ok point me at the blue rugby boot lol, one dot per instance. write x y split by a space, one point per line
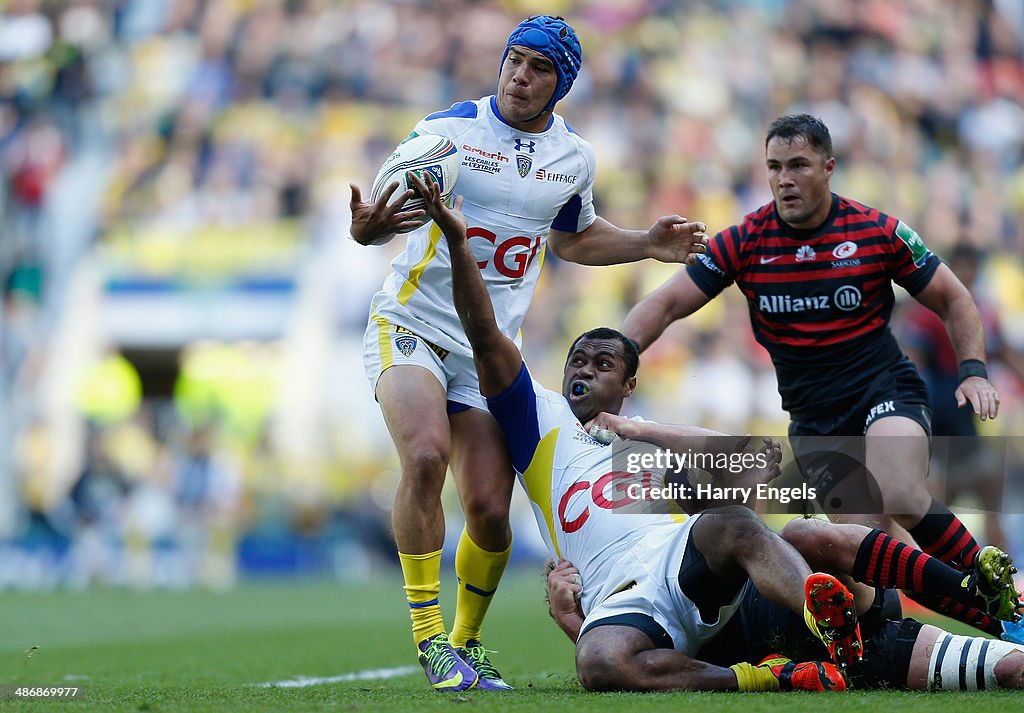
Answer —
1013 631
475 655
445 669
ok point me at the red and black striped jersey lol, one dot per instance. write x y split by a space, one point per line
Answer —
820 300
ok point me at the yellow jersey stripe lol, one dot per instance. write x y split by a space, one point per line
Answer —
538 481
413 283
384 330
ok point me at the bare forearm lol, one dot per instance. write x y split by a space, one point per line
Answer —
496 357
564 590
670 437
699 447
678 298
947 297
963 323
570 624
472 303
603 244
648 320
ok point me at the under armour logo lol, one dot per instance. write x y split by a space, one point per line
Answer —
525 145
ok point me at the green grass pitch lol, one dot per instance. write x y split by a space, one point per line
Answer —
201 651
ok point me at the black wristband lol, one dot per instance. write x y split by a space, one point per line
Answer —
972 367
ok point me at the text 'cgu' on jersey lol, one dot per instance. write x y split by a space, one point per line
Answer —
516 186
579 488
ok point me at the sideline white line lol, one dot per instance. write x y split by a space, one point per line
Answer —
372 674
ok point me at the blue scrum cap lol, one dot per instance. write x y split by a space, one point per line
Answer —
556 40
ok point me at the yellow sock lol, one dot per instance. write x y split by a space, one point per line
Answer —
422 586
754 678
479 572
812 624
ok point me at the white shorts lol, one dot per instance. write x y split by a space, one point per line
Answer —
387 344
648 588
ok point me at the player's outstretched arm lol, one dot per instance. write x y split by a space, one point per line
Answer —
669 436
377 223
743 467
671 239
497 358
947 297
679 297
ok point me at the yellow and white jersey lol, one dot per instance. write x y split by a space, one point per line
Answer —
580 498
516 186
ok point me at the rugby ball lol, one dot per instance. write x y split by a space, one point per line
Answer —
423 154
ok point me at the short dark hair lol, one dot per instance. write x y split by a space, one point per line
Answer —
793 126
630 348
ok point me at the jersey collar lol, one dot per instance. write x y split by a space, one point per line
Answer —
494 110
807 233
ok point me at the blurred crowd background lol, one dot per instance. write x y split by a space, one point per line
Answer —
182 398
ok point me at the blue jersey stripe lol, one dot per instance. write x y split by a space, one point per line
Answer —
458 110
515 410
423 605
568 218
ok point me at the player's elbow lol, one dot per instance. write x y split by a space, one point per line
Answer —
561 246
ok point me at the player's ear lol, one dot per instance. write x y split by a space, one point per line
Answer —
630 386
830 166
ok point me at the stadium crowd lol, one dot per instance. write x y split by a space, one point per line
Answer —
229 131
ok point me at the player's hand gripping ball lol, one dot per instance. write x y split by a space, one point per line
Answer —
429 157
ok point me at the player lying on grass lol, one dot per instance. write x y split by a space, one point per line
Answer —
705 561
573 485
898 652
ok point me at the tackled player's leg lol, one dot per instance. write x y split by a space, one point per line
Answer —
943 661
637 657
872 557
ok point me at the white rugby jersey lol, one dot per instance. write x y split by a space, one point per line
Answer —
578 494
516 186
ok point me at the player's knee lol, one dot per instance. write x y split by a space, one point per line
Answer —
599 669
487 510
425 464
739 526
808 536
906 497
1009 671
